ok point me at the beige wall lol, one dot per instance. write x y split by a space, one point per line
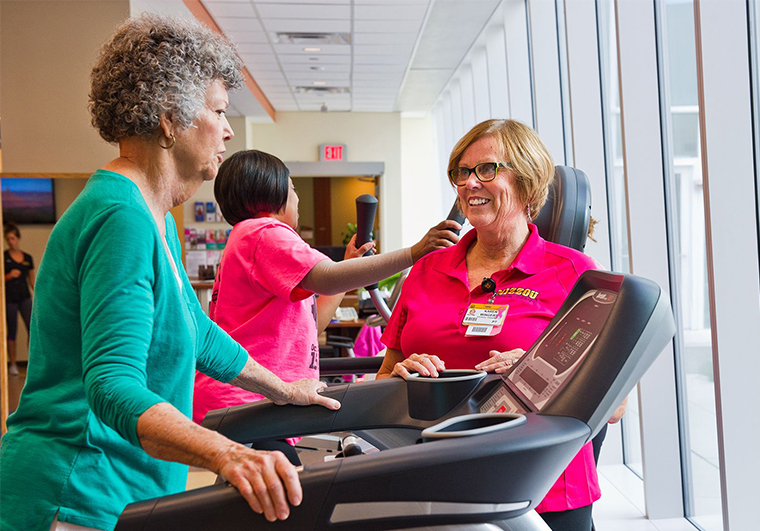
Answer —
426 196
369 137
48 49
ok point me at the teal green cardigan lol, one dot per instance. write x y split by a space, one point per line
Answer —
112 334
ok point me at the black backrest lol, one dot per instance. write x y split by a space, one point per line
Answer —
565 217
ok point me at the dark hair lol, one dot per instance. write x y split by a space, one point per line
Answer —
9 226
250 183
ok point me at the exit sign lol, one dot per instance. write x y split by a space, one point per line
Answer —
332 152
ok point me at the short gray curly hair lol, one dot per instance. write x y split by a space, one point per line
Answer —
154 65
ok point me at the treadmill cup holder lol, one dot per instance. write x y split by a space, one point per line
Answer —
474 424
432 398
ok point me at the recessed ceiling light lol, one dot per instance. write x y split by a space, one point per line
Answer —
319 83
321 90
312 49
310 38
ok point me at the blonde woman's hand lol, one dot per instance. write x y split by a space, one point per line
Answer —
500 362
424 364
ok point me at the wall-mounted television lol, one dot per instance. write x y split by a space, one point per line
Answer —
28 201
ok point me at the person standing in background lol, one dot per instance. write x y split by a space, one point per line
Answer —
19 278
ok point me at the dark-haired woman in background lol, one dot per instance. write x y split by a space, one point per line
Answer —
264 291
19 277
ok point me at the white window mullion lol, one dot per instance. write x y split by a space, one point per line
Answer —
643 166
586 110
732 253
547 86
518 61
497 72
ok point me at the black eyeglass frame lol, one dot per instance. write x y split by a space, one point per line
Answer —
475 171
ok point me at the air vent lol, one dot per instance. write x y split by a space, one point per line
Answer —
284 37
322 90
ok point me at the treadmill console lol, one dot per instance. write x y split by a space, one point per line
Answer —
545 368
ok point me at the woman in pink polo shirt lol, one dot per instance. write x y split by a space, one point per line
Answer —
263 295
502 172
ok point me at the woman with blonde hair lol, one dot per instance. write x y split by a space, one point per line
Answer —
501 171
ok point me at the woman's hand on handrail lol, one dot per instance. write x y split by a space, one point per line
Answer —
306 392
500 362
395 364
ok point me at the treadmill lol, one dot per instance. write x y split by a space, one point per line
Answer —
480 451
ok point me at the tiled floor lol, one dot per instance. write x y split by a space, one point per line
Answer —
620 508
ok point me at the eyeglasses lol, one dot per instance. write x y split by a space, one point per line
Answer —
485 172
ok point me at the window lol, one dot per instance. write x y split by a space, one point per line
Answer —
617 201
701 468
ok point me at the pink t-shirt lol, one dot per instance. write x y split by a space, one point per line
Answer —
428 319
258 301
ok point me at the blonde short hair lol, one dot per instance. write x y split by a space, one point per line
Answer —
532 165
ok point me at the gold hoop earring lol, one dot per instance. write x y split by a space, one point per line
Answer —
174 140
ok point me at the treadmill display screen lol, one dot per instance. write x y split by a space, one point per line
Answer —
546 367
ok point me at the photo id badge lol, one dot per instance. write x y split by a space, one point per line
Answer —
484 319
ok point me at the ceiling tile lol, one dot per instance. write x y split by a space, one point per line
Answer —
360 67
399 60
335 80
270 76
387 26
326 49
241 37
259 59
253 48
384 84
286 59
309 12
384 49
239 24
384 38
318 69
257 70
307 26
231 9
391 2
390 12
297 2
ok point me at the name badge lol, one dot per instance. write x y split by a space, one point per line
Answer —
484 319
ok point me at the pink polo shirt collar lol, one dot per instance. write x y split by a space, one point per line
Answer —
529 260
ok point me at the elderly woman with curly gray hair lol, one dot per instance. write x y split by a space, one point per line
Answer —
103 418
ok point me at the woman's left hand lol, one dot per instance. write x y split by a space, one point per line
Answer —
353 252
500 362
306 392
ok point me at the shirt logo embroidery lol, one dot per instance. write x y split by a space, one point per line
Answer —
518 291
